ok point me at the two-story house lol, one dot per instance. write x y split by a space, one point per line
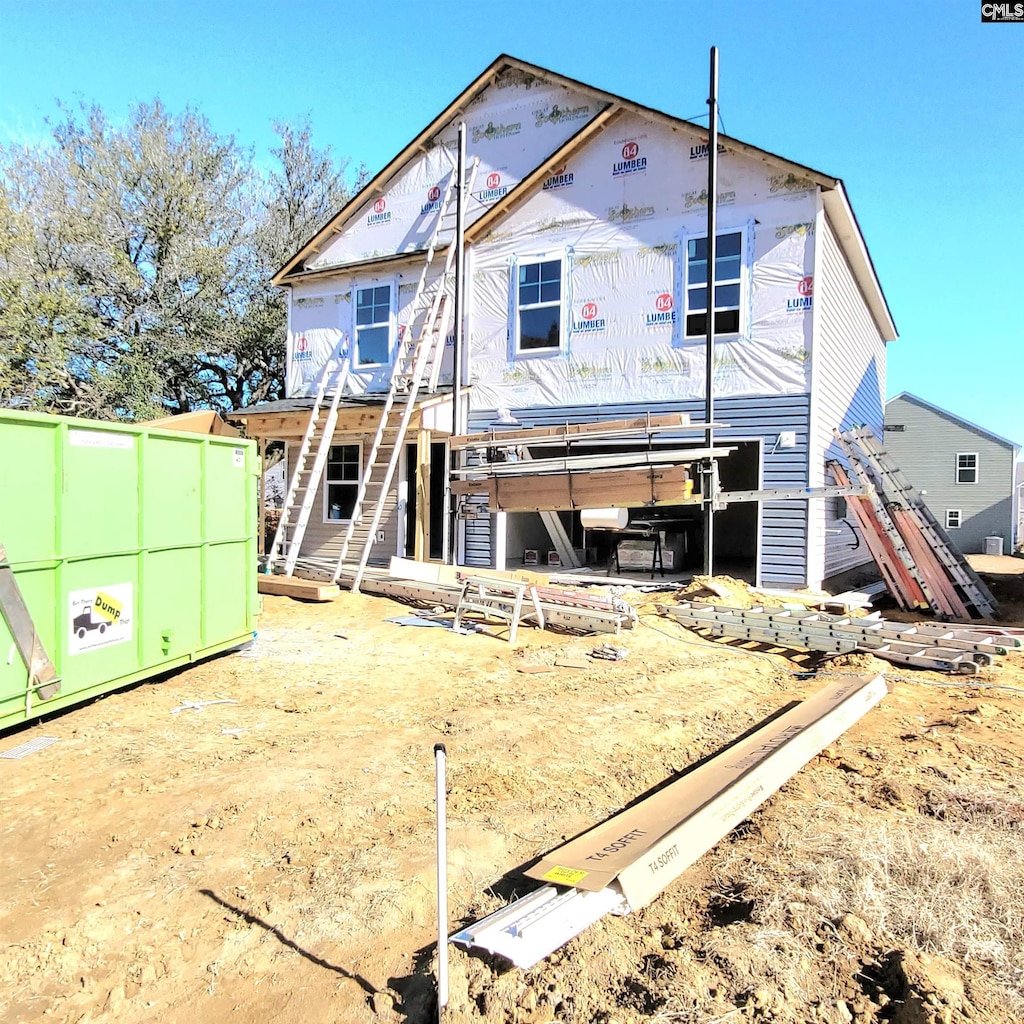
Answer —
585 300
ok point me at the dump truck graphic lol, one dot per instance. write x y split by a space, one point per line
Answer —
85 623
99 617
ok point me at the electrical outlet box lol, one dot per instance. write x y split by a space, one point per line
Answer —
381 535
787 439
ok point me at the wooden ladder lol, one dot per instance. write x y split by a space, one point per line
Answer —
417 358
955 581
306 477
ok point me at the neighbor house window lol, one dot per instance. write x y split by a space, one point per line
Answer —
953 520
728 281
539 306
341 481
967 467
373 325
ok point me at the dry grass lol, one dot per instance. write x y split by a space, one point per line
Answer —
947 881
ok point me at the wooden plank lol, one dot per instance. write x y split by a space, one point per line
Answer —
293 586
556 492
42 673
575 431
421 538
453 576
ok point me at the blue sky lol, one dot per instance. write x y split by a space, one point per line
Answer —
915 104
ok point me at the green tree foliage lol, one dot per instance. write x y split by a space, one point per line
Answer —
135 262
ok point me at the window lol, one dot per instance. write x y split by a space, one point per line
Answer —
728 279
373 325
539 307
967 467
341 481
953 520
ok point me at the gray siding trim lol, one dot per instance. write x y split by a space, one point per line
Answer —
783 541
849 386
926 450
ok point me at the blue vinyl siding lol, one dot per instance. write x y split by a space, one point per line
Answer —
783 540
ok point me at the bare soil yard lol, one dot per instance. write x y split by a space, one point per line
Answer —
271 860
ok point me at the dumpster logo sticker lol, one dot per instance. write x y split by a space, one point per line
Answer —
99 617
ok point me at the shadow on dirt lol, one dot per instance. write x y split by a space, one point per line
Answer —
250 918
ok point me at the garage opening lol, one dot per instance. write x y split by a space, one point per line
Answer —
678 529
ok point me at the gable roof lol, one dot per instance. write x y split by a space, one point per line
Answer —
946 414
835 200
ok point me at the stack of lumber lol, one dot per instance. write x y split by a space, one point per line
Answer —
943 648
919 563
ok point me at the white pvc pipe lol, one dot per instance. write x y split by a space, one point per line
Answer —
442 881
604 518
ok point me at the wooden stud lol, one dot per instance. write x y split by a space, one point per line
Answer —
421 550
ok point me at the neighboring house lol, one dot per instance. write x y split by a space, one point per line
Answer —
1019 539
967 474
586 256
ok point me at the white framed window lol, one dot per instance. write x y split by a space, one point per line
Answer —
954 519
966 467
341 481
373 325
538 304
729 261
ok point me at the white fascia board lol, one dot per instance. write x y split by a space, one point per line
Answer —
840 213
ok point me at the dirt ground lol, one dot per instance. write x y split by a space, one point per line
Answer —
272 858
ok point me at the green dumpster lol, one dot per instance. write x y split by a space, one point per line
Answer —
125 551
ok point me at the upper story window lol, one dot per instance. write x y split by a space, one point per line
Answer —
373 325
341 481
539 306
728 284
966 467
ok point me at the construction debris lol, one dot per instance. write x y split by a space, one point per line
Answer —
606 652
920 564
439 587
628 860
943 648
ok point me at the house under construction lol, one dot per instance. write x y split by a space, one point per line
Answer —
553 250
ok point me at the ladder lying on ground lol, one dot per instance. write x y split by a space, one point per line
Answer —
915 554
417 360
306 477
943 648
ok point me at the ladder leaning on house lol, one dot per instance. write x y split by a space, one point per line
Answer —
298 503
417 359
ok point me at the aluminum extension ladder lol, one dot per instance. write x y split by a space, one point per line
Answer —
420 350
306 477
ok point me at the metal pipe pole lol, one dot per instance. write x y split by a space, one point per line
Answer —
451 543
460 277
440 757
709 481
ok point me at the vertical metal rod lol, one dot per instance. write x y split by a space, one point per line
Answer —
460 277
440 756
708 482
458 413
